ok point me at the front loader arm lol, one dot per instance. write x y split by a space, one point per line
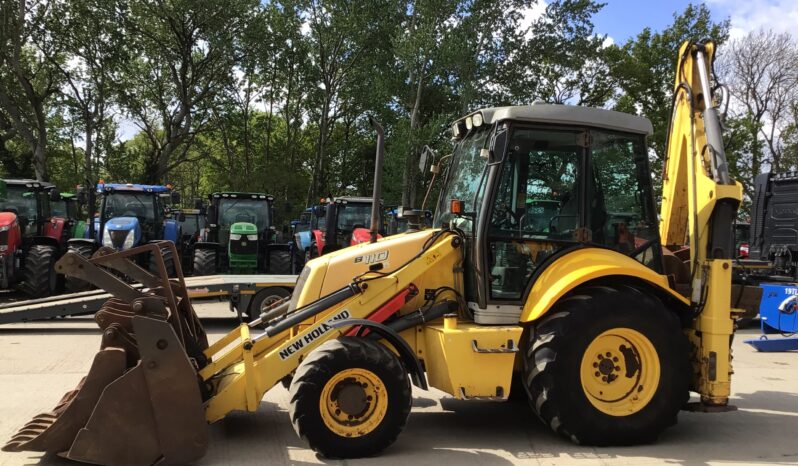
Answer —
699 203
245 367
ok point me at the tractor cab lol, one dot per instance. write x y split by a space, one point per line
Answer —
525 188
68 207
400 220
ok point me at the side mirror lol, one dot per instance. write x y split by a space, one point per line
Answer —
175 197
427 155
55 195
319 211
211 213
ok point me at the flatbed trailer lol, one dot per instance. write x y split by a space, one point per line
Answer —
239 289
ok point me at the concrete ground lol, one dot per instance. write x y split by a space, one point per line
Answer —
40 361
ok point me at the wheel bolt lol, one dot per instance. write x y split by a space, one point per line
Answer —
617 368
597 373
337 412
604 379
615 359
368 398
609 354
595 364
600 356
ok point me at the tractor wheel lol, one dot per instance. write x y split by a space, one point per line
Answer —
168 260
265 298
298 260
608 366
204 262
74 285
38 274
280 262
350 398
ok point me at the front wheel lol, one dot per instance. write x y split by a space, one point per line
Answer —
608 366
204 262
350 398
280 262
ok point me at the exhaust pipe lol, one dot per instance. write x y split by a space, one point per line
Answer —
377 195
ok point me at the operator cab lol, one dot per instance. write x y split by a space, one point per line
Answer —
527 184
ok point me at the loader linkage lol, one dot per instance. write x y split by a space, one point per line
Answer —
140 402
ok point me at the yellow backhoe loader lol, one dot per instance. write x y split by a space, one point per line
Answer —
547 272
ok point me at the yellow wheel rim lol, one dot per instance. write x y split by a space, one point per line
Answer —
353 402
620 372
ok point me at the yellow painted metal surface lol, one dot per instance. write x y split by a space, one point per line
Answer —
455 365
605 372
581 266
359 422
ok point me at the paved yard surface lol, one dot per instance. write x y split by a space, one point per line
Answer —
40 361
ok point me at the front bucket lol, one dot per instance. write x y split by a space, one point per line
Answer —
150 413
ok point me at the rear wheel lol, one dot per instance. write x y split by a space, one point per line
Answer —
608 366
350 398
204 262
73 284
280 262
39 277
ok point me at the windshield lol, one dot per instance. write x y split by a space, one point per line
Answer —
20 200
244 210
130 204
464 178
58 209
354 215
193 223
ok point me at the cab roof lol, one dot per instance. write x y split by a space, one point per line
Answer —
240 195
571 115
28 183
132 187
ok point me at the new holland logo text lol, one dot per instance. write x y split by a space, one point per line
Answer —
300 342
372 258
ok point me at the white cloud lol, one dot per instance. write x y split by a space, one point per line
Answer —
751 15
529 15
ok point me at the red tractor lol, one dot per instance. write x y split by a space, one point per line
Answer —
347 224
31 240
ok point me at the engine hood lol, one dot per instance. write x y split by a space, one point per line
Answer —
333 271
243 228
7 218
122 224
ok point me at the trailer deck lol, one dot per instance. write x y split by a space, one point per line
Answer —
241 287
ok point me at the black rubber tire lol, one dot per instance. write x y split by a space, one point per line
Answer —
72 284
280 262
204 262
555 351
265 296
298 260
168 260
38 273
319 367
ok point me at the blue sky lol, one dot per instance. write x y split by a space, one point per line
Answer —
622 19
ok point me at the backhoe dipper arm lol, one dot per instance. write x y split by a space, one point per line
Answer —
699 203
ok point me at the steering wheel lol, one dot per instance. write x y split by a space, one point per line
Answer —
507 218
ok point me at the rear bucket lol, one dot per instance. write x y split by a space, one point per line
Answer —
150 413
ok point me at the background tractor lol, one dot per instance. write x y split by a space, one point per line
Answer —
31 238
346 221
130 215
240 237
69 207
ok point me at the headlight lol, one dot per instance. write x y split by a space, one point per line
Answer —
235 237
252 237
107 239
129 239
5 228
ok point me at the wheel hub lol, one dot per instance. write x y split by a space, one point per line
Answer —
620 371
353 402
351 398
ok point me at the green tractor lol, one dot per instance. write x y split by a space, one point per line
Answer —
240 237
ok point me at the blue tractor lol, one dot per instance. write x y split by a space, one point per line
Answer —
130 215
